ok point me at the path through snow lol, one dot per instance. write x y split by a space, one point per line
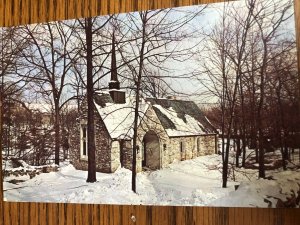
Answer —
190 182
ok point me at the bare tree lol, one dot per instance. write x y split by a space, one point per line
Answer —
153 40
281 94
10 87
222 64
48 65
90 60
267 23
237 56
154 86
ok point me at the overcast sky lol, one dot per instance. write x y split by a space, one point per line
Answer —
207 20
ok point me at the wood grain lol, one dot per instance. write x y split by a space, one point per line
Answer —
16 12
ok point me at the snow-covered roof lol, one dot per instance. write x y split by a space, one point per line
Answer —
178 117
118 118
43 108
47 108
181 118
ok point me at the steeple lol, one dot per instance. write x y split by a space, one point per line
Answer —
114 82
116 94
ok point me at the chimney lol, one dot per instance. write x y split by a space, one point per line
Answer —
116 94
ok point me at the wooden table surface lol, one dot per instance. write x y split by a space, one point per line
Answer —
15 12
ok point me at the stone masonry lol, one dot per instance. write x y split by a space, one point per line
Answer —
111 154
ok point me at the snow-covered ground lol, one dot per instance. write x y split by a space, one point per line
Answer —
191 182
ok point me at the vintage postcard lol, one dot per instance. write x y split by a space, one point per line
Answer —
193 106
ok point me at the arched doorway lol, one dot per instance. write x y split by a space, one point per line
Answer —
151 151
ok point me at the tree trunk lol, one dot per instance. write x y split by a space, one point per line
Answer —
238 151
137 100
136 115
261 156
90 104
225 164
283 144
57 132
243 127
260 148
244 152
